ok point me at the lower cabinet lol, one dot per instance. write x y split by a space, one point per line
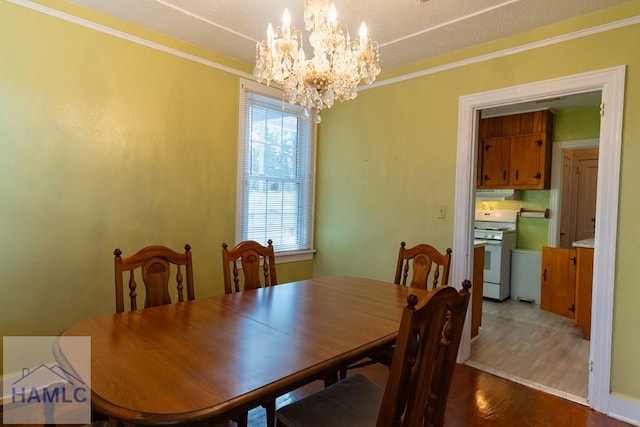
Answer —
566 284
558 286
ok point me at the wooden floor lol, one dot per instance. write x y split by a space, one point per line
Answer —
478 398
521 342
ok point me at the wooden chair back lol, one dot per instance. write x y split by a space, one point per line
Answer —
429 268
421 372
258 264
154 263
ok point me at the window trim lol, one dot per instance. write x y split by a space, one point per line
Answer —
281 256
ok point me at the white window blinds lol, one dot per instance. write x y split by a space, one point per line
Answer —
276 171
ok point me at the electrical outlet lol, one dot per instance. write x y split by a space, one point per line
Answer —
442 212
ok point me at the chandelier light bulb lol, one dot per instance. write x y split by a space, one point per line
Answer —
286 21
363 34
334 71
333 16
270 34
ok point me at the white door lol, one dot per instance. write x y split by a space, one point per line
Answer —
566 212
586 203
579 184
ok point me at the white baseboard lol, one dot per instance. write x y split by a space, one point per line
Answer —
624 410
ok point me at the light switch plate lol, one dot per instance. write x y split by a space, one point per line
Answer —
442 212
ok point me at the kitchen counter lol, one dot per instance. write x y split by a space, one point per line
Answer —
585 243
478 243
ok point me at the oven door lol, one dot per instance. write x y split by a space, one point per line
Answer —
492 261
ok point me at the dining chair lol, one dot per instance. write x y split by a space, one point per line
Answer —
429 269
154 263
258 264
419 380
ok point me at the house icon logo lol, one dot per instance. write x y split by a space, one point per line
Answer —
55 388
48 385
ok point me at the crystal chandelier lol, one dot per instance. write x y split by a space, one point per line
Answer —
337 67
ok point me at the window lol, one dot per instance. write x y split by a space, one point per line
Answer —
276 173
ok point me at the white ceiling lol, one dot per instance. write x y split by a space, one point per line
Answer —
406 30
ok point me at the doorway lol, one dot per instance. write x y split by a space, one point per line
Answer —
611 83
519 340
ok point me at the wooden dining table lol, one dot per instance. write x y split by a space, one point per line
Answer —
214 358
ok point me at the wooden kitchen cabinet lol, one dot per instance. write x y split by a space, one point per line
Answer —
515 151
558 285
476 290
496 153
529 166
567 277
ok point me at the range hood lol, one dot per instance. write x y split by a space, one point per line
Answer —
506 194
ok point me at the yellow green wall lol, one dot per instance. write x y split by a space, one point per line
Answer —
388 161
105 143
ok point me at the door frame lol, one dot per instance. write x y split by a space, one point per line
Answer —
611 82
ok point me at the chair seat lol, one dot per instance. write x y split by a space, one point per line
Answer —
354 401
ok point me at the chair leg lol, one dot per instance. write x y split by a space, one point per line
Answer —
343 372
330 377
242 420
271 413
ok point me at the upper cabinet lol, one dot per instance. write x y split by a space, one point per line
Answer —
515 151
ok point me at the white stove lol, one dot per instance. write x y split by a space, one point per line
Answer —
497 230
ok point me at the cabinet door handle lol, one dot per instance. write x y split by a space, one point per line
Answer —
486 178
544 274
504 175
517 174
